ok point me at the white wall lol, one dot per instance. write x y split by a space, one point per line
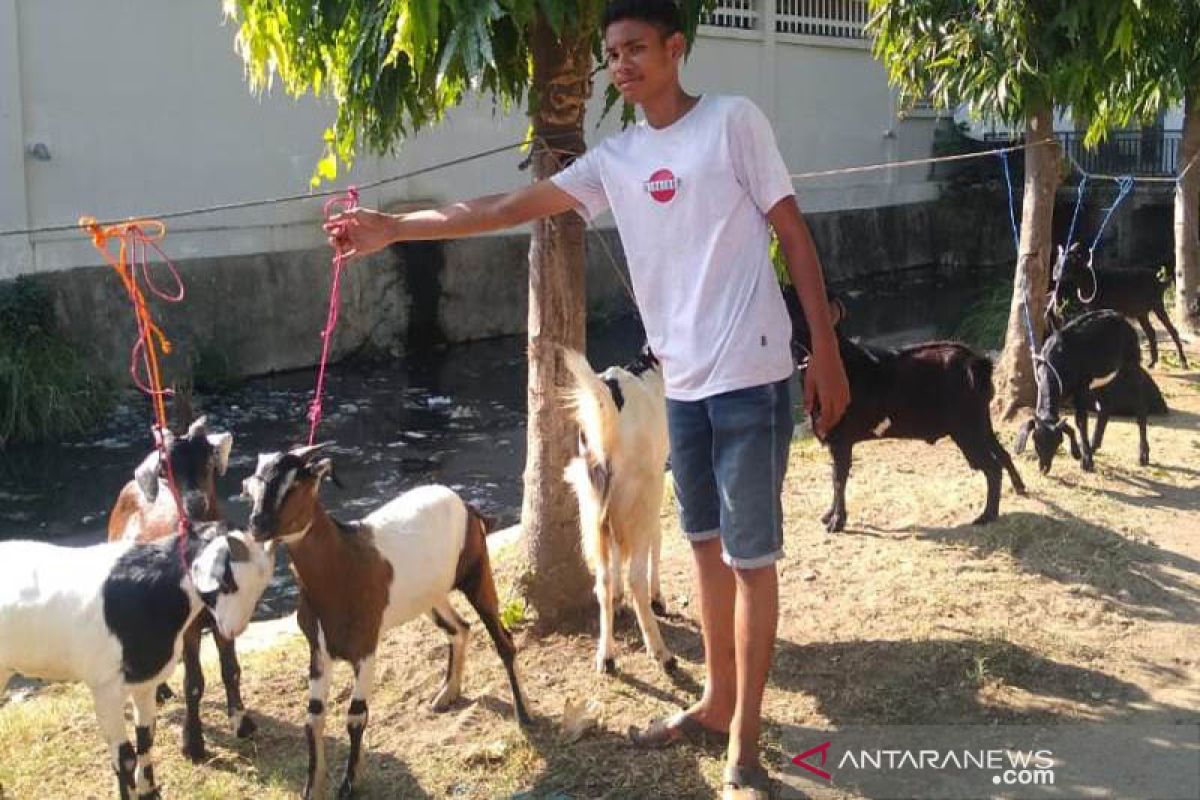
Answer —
144 110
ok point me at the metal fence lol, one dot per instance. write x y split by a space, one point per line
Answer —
1149 153
839 19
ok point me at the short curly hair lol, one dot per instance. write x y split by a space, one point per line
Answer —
663 14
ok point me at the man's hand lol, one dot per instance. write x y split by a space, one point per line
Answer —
826 391
359 232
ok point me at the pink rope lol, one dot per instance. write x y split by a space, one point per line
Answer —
334 205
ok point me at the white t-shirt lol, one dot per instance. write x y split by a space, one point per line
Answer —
690 202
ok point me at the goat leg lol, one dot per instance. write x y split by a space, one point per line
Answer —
356 723
1143 402
144 709
1098 434
231 676
320 665
1081 418
459 633
1144 321
1165 319
1006 461
479 586
110 713
835 518
193 691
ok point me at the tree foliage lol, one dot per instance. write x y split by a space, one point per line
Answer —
396 66
1002 59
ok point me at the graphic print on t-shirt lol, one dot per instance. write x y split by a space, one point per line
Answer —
662 185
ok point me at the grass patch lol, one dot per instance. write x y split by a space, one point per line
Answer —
46 390
986 321
1078 604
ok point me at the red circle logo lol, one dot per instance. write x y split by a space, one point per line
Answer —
662 185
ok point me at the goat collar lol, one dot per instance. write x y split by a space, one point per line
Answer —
292 538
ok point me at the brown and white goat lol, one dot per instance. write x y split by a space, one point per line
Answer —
618 479
361 579
145 512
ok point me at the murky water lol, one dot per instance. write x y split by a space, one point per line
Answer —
454 416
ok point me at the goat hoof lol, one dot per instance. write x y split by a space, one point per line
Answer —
985 518
346 790
835 525
671 665
163 693
1087 466
1144 461
606 666
194 752
246 728
658 607
827 517
443 701
153 794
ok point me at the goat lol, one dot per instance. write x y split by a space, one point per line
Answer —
1134 293
925 391
618 479
1090 351
145 511
359 580
113 616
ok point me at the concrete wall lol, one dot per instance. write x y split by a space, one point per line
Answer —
142 108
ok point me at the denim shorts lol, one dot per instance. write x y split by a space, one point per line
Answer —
728 458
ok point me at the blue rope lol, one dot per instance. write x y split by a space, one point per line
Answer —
1012 218
1124 187
1012 213
1075 217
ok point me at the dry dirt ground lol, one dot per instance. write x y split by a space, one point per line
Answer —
1081 603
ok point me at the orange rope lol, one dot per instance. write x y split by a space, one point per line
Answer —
135 239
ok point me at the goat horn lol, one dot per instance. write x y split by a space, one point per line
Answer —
198 427
307 451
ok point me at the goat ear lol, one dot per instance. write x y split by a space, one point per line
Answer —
222 443
198 427
307 452
1023 435
146 476
322 469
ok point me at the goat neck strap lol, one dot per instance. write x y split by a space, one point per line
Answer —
292 538
333 206
137 239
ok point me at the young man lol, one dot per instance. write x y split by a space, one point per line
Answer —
695 189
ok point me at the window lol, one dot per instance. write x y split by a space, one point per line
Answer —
737 14
842 19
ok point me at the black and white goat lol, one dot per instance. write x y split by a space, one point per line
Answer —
1088 353
113 616
1134 293
145 511
357 581
618 478
925 391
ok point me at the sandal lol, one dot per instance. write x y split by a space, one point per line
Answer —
682 727
746 782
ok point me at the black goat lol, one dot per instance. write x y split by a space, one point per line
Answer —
1089 352
925 391
1133 293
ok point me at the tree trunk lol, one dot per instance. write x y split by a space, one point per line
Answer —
556 582
1187 221
1015 386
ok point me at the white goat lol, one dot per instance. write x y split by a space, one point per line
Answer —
618 478
359 580
112 616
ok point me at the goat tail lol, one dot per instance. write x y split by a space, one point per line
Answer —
590 472
979 375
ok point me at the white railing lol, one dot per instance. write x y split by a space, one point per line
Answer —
737 14
841 19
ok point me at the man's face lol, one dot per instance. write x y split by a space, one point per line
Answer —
641 61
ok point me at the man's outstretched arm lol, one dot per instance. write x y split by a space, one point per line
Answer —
361 231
